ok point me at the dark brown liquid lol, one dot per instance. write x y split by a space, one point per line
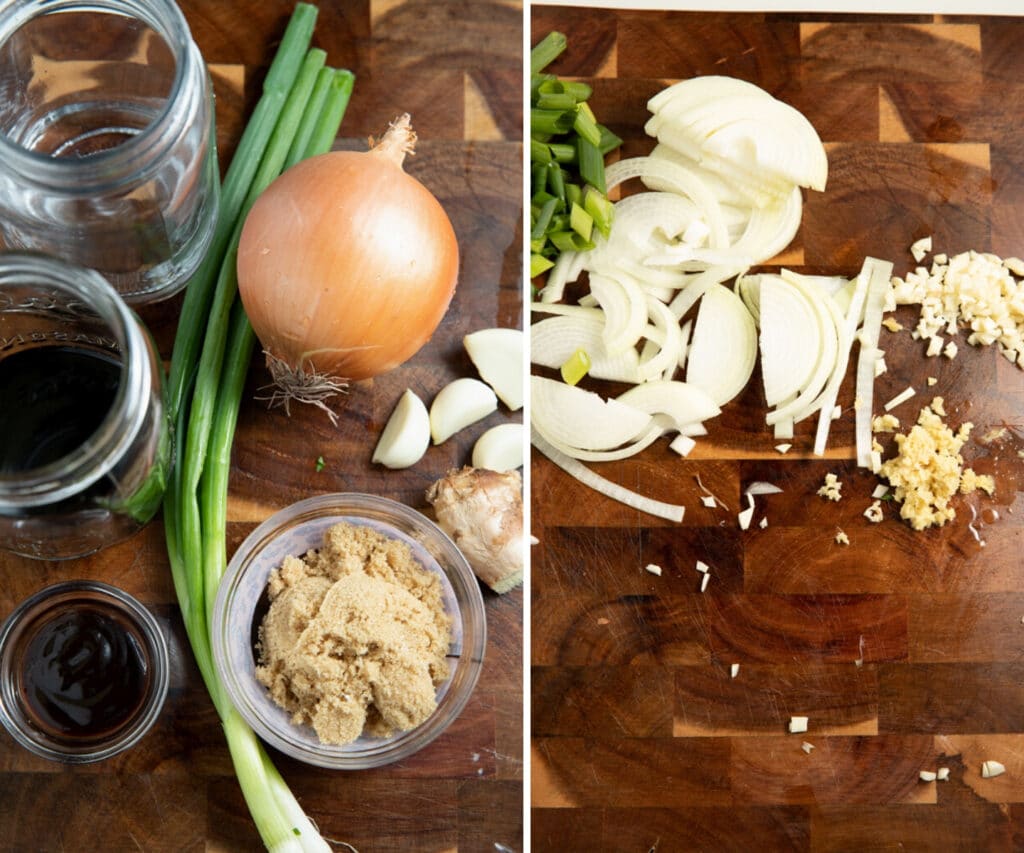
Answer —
84 674
52 400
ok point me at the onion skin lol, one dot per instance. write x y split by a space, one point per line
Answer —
347 264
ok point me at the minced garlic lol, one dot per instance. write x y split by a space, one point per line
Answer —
885 423
928 470
892 324
874 512
831 488
841 537
975 291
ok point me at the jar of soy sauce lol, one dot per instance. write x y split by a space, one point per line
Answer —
85 443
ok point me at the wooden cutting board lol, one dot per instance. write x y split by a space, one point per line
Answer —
641 739
455 66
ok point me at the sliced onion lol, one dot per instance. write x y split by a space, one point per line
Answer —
724 346
555 339
790 340
667 355
679 179
625 310
878 288
573 416
576 469
849 328
683 402
652 434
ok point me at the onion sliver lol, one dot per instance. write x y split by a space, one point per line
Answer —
849 328
625 310
683 402
555 339
653 433
346 265
802 405
791 339
576 469
878 287
667 356
679 179
724 346
576 417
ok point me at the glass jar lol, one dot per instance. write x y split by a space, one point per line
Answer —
85 443
84 671
107 148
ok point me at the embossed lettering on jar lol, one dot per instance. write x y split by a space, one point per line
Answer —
107 140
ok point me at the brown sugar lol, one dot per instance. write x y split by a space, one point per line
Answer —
356 637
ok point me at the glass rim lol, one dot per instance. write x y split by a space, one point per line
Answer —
151 633
82 175
83 466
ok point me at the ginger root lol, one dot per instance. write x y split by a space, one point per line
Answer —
482 511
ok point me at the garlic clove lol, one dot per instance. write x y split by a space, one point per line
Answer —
498 357
459 404
500 448
406 435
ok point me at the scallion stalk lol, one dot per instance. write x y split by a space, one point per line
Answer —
305 102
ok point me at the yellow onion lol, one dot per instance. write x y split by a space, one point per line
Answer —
346 266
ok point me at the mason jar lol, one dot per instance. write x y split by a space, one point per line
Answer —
85 442
107 147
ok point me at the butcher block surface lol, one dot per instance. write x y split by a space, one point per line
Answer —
456 67
902 648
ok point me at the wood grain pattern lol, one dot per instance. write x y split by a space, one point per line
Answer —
902 648
455 65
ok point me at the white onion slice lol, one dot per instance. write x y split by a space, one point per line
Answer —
579 418
878 287
679 179
682 402
554 340
724 346
651 435
849 327
790 339
625 310
576 469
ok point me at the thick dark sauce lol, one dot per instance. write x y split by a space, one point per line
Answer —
84 674
52 399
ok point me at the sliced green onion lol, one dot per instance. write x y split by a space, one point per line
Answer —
591 163
539 264
546 51
552 121
586 125
581 221
569 241
540 226
600 209
575 367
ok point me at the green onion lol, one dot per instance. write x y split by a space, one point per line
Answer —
576 367
567 151
539 264
213 349
547 51
580 221
320 464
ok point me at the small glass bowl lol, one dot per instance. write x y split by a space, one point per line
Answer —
294 531
42 610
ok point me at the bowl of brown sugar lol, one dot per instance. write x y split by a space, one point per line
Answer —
349 631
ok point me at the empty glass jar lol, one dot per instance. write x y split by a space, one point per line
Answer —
85 443
107 151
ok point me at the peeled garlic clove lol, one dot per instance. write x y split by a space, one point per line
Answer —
500 448
498 356
459 404
406 436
